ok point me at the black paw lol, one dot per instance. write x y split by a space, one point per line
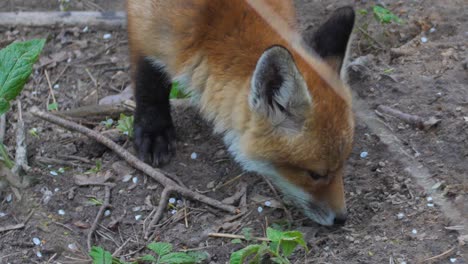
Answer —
155 146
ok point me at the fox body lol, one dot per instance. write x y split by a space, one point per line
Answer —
279 118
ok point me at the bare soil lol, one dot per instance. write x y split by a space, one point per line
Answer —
426 78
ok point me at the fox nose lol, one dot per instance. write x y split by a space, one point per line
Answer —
340 219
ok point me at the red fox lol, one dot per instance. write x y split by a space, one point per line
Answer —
278 117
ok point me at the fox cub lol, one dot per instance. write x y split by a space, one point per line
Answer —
278 117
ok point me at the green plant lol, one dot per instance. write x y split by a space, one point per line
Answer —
163 255
280 246
16 64
176 91
385 16
125 125
96 168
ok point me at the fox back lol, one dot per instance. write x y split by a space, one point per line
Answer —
278 116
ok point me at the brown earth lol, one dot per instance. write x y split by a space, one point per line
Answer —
422 78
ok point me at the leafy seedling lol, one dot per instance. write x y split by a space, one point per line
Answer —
385 16
125 125
279 249
165 255
96 168
101 256
108 123
52 107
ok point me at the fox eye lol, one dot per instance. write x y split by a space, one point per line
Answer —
315 175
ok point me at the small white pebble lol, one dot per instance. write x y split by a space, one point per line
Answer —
2 214
429 199
61 170
403 262
400 215
56 189
430 205
69 60
432 30
39 254
135 180
127 178
414 231
453 260
85 29
268 203
423 39
136 209
107 212
9 198
53 173
260 209
364 154
194 156
439 94
172 200
72 247
137 217
107 36
57 86
173 212
61 212
36 241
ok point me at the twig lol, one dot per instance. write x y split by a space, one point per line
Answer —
118 250
278 197
99 112
17 226
21 157
159 213
91 77
50 88
371 38
60 74
420 122
99 215
154 173
441 255
232 236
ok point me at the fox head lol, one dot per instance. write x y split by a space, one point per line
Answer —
303 130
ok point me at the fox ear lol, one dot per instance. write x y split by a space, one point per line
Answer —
331 39
278 90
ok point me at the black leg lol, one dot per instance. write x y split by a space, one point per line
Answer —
154 130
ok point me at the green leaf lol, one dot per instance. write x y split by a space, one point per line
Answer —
125 125
52 107
4 155
177 258
100 256
198 256
236 241
239 256
16 64
290 240
385 16
160 248
247 232
176 92
274 235
362 12
148 258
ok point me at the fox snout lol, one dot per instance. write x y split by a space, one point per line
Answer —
326 216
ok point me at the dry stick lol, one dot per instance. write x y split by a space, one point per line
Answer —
441 255
17 226
99 215
154 173
159 213
415 120
50 88
2 127
232 236
371 38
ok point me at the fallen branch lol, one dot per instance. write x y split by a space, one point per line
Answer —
99 215
17 226
159 213
232 236
154 173
441 255
98 112
417 121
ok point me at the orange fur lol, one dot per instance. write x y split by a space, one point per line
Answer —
219 44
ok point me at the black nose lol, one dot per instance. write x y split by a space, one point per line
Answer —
340 220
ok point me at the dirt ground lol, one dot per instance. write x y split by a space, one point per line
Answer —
419 67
